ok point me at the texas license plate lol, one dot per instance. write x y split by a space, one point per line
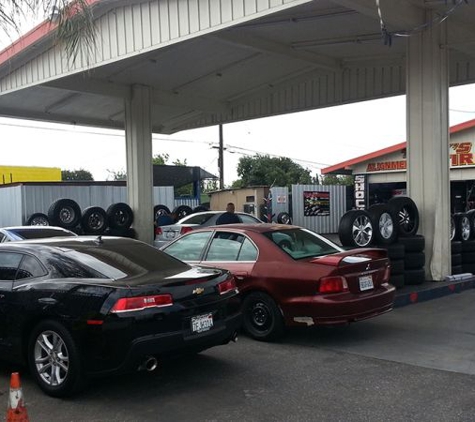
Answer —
366 283
201 323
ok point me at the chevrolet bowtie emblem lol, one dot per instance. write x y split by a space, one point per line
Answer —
198 291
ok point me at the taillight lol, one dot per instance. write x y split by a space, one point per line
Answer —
184 230
158 231
227 286
128 304
387 274
333 284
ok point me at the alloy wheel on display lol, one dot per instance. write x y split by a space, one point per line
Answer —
386 225
51 358
362 230
406 220
67 215
452 228
465 228
96 221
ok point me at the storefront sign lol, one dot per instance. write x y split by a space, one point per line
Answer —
360 191
461 155
316 204
281 199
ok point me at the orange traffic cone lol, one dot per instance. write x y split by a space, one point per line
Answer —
16 407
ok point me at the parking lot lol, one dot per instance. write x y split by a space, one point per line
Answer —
416 363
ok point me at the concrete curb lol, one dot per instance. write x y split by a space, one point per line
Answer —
409 295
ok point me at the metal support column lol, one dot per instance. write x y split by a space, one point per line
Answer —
428 143
138 139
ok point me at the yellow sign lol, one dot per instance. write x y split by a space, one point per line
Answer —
17 174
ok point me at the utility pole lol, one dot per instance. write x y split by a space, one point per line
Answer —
220 158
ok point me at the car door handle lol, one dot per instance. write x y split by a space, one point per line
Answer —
47 301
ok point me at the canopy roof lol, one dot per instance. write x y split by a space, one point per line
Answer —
214 62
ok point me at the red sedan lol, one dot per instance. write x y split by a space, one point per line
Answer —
290 276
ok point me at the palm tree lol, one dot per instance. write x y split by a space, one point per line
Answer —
72 18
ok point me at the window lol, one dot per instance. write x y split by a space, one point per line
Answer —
9 262
197 219
247 219
189 248
231 247
30 267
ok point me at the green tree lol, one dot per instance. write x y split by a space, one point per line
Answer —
266 170
79 174
160 159
74 21
117 175
336 179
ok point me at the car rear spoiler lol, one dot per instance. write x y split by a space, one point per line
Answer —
336 259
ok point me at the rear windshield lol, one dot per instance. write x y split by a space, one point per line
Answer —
302 243
40 233
196 219
118 261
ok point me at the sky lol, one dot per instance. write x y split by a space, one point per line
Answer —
313 139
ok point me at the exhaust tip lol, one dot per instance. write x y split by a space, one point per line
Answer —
149 364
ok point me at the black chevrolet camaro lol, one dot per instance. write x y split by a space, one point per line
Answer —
79 307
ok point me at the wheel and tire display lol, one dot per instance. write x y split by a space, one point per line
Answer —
159 210
182 211
284 218
471 218
94 220
384 224
407 215
54 359
452 228
37 219
262 318
355 229
64 213
120 216
413 244
462 227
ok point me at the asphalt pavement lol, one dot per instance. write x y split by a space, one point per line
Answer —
416 363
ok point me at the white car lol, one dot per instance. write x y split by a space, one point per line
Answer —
165 234
13 234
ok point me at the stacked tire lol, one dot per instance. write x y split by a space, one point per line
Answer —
456 255
382 225
66 213
468 256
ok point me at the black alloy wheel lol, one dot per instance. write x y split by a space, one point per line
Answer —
94 220
37 219
407 215
64 213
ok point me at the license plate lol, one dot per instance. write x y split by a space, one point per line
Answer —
201 323
366 283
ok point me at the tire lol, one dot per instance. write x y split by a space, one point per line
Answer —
69 376
471 219
452 228
262 318
159 210
414 260
467 258
457 269
414 277
182 211
413 244
94 220
397 280
355 229
462 227
120 216
37 219
395 251
407 215
397 266
468 268
200 208
284 218
456 259
384 224
468 246
64 213
455 247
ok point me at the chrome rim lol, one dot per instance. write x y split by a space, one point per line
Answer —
386 225
405 219
465 228
51 358
452 229
39 221
96 220
66 215
362 230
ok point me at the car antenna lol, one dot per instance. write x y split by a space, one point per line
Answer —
99 240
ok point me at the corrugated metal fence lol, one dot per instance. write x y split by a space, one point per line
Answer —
19 202
318 207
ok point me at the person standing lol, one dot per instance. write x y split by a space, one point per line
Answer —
229 217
